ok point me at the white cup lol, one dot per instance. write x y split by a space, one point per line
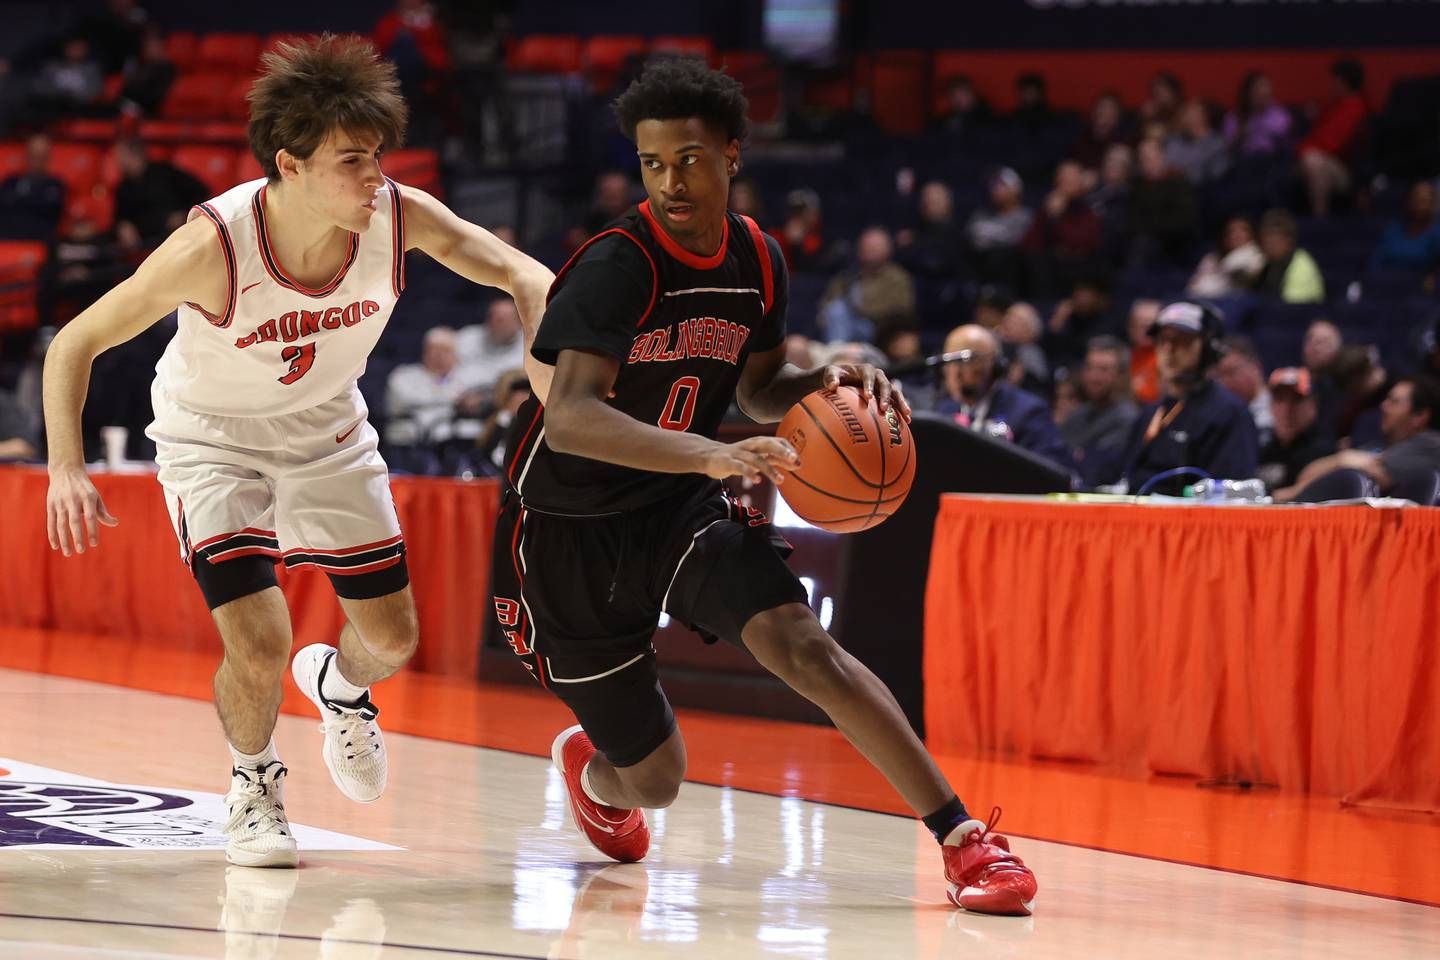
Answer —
114 439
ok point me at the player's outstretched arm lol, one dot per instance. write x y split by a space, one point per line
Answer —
188 266
479 256
769 386
578 421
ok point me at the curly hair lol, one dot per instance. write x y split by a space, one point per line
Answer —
311 87
682 87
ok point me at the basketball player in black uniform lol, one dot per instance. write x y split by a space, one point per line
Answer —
615 511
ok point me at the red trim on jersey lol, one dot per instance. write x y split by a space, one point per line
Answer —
272 263
680 253
228 250
347 551
397 234
762 250
524 442
247 532
654 274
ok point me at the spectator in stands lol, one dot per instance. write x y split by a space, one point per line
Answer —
1065 401
1167 98
1111 199
1195 149
148 78
1067 235
873 293
1290 273
614 195
505 233
1164 212
801 238
964 111
1411 243
745 200
153 197
935 248
1144 371
1319 350
1258 126
1241 372
994 233
1032 104
82 266
1087 313
412 37
17 436
487 350
1106 128
115 34
1327 154
32 202
1097 430
1411 450
422 399
976 398
1231 269
800 351
1195 423
900 342
1363 383
1026 364
511 390
70 85
1299 438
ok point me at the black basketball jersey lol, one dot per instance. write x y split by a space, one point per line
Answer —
682 327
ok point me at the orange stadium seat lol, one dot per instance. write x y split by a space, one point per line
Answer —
12 159
246 167
605 57
88 128
164 133
98 206
110 167
199 96
77 164
275 39
686 46
230 132
211 165
20 263
180 47
236 52
416 167
546 53
900 91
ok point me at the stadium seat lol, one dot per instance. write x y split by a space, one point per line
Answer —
12 158
606 56
211 165
236 106
900 91
235 52
1422 486
77 164
97 206
164 134
110 167
1342 484
415 167
199 96
20 264
691 46
180 48
246 167
545 53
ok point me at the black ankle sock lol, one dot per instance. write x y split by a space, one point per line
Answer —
942 821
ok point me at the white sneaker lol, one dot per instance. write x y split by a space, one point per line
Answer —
354 748
259 833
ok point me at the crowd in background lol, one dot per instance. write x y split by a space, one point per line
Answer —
1035 246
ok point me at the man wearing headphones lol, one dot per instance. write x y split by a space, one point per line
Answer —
976 395
1195 422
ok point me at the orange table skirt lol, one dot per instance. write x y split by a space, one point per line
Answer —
1283 646
135 585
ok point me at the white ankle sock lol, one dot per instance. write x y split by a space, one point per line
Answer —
336 688
589 788
253 761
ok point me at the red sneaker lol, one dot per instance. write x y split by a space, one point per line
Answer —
984 875
619 834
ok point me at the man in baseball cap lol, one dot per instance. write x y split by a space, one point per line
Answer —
1299 439
1196 422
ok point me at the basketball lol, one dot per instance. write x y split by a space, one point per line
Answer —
856 465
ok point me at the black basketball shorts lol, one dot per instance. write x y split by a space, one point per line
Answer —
579 599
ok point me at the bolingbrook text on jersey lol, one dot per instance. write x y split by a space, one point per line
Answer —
702 338
299 324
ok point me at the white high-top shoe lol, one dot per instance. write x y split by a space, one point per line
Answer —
259 833
354 748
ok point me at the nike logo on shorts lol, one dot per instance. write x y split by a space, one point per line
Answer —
340 437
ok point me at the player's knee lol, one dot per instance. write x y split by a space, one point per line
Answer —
257 659
396 640
792 643
656 793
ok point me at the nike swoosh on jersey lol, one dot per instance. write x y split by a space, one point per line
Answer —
340 437
251 287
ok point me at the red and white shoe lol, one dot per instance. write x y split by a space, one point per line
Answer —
985 877
619 834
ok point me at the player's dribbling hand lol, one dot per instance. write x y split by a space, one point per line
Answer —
872 383
752 459
74 512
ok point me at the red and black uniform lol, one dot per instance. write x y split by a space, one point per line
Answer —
588 554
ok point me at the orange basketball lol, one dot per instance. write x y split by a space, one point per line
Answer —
856 466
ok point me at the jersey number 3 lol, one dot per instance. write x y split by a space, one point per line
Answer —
680 408
301 359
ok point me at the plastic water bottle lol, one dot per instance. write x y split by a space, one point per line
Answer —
1219 491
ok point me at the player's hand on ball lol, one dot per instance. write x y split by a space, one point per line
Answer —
872 384
74 512
752 459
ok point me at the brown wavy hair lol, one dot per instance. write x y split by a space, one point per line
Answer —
310 87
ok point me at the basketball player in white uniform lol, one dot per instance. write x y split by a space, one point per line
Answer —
283 286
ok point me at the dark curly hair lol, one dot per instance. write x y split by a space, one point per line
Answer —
680 87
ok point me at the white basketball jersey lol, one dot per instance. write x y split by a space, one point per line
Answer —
280 347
